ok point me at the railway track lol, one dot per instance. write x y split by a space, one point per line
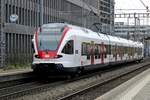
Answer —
36 86
81 93
16 79
24 89
41 85
17 85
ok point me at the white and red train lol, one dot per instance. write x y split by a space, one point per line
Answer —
68 48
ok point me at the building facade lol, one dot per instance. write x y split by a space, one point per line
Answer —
136 33
16 37
132 32
107 16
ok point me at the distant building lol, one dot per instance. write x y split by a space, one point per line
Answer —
107 16
136 33
15 38
131 31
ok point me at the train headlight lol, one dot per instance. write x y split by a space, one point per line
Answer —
47 56
37 56
58 56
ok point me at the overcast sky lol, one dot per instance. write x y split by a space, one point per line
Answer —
131 4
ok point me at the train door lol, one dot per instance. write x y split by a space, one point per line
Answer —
77 55
68 53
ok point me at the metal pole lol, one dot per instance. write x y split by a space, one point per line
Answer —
128 23
2 35
83 16
41 12
134 34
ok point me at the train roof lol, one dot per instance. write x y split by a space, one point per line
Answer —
93 34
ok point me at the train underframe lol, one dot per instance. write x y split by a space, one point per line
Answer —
51 68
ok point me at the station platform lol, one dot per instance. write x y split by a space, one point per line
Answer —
137 88
14 71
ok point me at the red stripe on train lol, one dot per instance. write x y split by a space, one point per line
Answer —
63 36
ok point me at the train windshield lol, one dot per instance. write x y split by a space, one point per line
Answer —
49 38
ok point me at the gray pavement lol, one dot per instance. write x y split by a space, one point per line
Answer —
144 93
14 71
137 88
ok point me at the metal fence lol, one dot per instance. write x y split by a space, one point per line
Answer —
2 35
17 36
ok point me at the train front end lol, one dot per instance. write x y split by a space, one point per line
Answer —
46 44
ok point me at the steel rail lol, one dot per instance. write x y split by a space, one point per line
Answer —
100 83
37 88
15 79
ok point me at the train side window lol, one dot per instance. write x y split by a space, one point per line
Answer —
105 51
68 48
109 49
99 49
84 49
88 50
96 52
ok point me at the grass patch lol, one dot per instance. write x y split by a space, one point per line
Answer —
17 66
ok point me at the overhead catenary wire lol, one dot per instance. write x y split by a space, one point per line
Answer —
147 8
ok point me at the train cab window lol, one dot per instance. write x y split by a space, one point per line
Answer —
68 48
